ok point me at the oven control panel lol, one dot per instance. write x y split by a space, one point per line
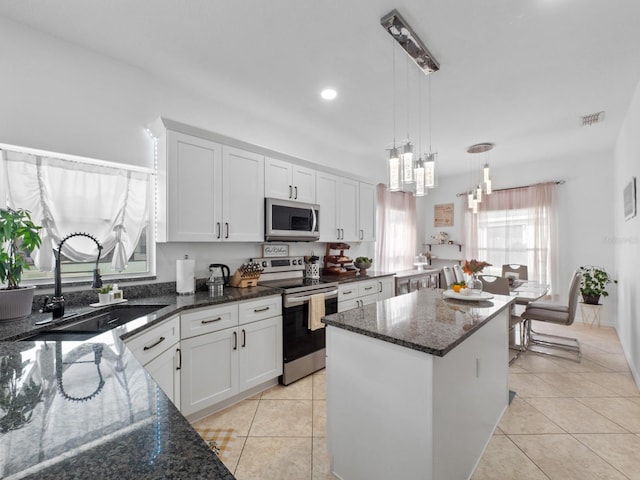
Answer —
280 264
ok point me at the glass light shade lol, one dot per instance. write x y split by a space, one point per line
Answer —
394 170
487 184
475 206
430 171
486 172
407 163
419 174
470 199
479 194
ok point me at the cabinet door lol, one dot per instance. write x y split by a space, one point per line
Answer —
194 180
348 210
304 184
367 212
277 179
242 196
165 371
327 197
386 288
260 345
209 370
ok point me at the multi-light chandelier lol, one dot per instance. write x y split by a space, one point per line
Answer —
406 174
480 174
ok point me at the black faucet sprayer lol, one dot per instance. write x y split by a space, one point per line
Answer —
56 305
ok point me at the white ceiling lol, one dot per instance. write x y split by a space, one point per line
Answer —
516 73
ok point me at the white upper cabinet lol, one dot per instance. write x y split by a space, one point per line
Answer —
367 212
242 196
287 181
208 192
347 213
327 197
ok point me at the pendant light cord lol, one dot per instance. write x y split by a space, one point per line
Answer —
393 93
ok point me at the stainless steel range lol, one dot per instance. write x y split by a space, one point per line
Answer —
303 349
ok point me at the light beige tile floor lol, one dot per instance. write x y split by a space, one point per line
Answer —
568 421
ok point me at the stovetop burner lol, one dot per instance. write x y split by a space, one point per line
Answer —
287 283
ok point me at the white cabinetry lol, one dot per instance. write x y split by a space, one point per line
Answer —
367 212
327 197
208 192
360 293
287 181
232 348
158 350
347 212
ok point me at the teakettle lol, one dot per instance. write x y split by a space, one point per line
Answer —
219 268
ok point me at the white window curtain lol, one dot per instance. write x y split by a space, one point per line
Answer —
67 196
517 226
395 230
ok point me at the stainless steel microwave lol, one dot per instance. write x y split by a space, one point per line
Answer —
290 221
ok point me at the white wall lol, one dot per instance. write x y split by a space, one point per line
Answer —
627 237
585 223
63 98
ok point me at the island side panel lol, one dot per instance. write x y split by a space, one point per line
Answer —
471 393
379 408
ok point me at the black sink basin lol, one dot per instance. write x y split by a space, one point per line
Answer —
87 326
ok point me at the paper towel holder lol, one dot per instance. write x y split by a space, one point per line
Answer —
187 287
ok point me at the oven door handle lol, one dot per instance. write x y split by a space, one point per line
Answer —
306 299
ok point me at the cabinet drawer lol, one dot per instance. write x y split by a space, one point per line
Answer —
207 320
348 291
253 310
157 339
368 287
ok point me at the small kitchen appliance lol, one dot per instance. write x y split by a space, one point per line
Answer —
289 221
303 349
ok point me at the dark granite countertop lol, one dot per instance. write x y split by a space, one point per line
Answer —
171 304
422 320
89 410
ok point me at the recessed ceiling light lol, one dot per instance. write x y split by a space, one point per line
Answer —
328 94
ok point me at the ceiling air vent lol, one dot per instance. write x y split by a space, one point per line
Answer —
592 118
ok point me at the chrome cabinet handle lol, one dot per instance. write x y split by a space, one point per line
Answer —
204 322
256 310
244 338
219 229
235 340
226 225
149 347
296 195
179 367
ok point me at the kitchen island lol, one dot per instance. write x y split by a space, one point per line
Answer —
416 385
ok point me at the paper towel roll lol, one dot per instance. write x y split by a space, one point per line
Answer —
185 276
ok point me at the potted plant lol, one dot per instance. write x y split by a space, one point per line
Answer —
104 293
18 237
594 283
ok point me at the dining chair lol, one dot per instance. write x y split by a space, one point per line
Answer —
559 314
521 270
449 277
500 286
457 273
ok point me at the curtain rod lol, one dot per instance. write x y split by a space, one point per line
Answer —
557 182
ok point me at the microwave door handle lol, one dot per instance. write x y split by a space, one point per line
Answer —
315 220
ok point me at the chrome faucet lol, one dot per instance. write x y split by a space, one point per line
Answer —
55 305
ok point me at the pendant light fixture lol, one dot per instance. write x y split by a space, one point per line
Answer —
394 157
418 172
404 171
481 184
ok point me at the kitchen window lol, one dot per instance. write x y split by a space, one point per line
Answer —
67 194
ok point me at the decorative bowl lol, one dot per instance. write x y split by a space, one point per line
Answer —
362 266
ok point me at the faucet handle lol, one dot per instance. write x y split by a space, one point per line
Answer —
45 302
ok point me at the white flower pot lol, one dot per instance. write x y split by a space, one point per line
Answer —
104 298
17 303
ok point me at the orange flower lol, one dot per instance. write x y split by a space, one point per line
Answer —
474 266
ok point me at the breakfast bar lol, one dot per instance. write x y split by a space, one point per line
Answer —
416 385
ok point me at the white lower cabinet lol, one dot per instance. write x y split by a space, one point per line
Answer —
227 360
360 293
158 350
210 369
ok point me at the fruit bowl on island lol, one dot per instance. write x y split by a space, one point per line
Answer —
362 264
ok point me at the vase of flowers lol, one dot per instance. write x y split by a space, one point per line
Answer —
473 268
